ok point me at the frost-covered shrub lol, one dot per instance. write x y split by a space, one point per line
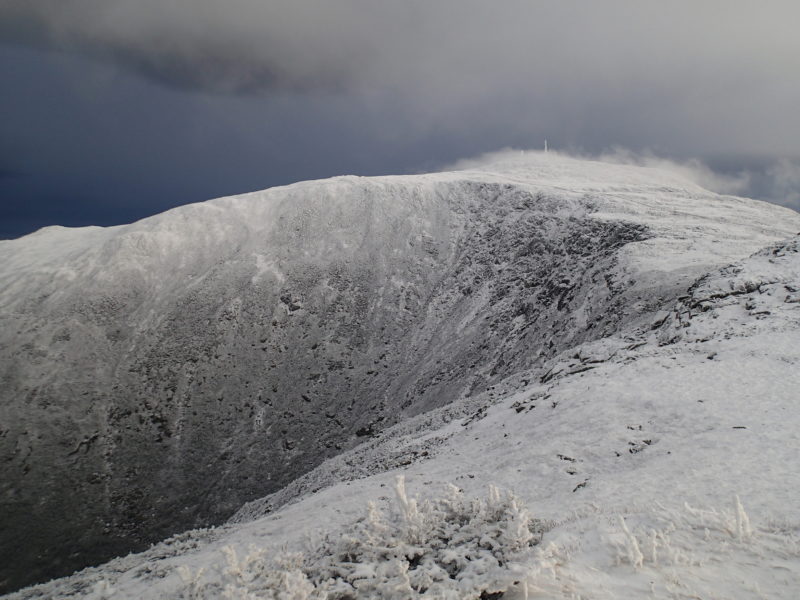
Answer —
448 547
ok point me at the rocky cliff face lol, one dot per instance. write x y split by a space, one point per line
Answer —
156 376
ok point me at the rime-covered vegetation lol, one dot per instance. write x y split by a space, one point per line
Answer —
448 547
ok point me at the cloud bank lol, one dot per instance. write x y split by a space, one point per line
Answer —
777 182
178 100
674 73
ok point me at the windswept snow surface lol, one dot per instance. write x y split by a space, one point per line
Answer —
659 464
555 327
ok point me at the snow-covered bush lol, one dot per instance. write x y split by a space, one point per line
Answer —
447 547
682 536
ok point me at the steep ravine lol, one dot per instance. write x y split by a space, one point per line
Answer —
156 376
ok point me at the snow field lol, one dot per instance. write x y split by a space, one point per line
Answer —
665 470
657 461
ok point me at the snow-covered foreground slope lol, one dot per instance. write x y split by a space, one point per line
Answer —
657 464
158 375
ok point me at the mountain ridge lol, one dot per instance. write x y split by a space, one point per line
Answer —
154 369
656 462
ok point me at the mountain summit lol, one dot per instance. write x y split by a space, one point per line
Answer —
157 376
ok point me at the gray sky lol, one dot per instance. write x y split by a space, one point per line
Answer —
116 109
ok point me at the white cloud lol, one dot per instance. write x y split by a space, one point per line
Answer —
784 179
693 170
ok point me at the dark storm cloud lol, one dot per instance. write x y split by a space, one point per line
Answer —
238 46
675 76
10 173
164 102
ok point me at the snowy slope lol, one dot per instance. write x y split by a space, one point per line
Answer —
666 470
518 299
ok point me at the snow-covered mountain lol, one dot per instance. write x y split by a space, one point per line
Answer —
567 329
